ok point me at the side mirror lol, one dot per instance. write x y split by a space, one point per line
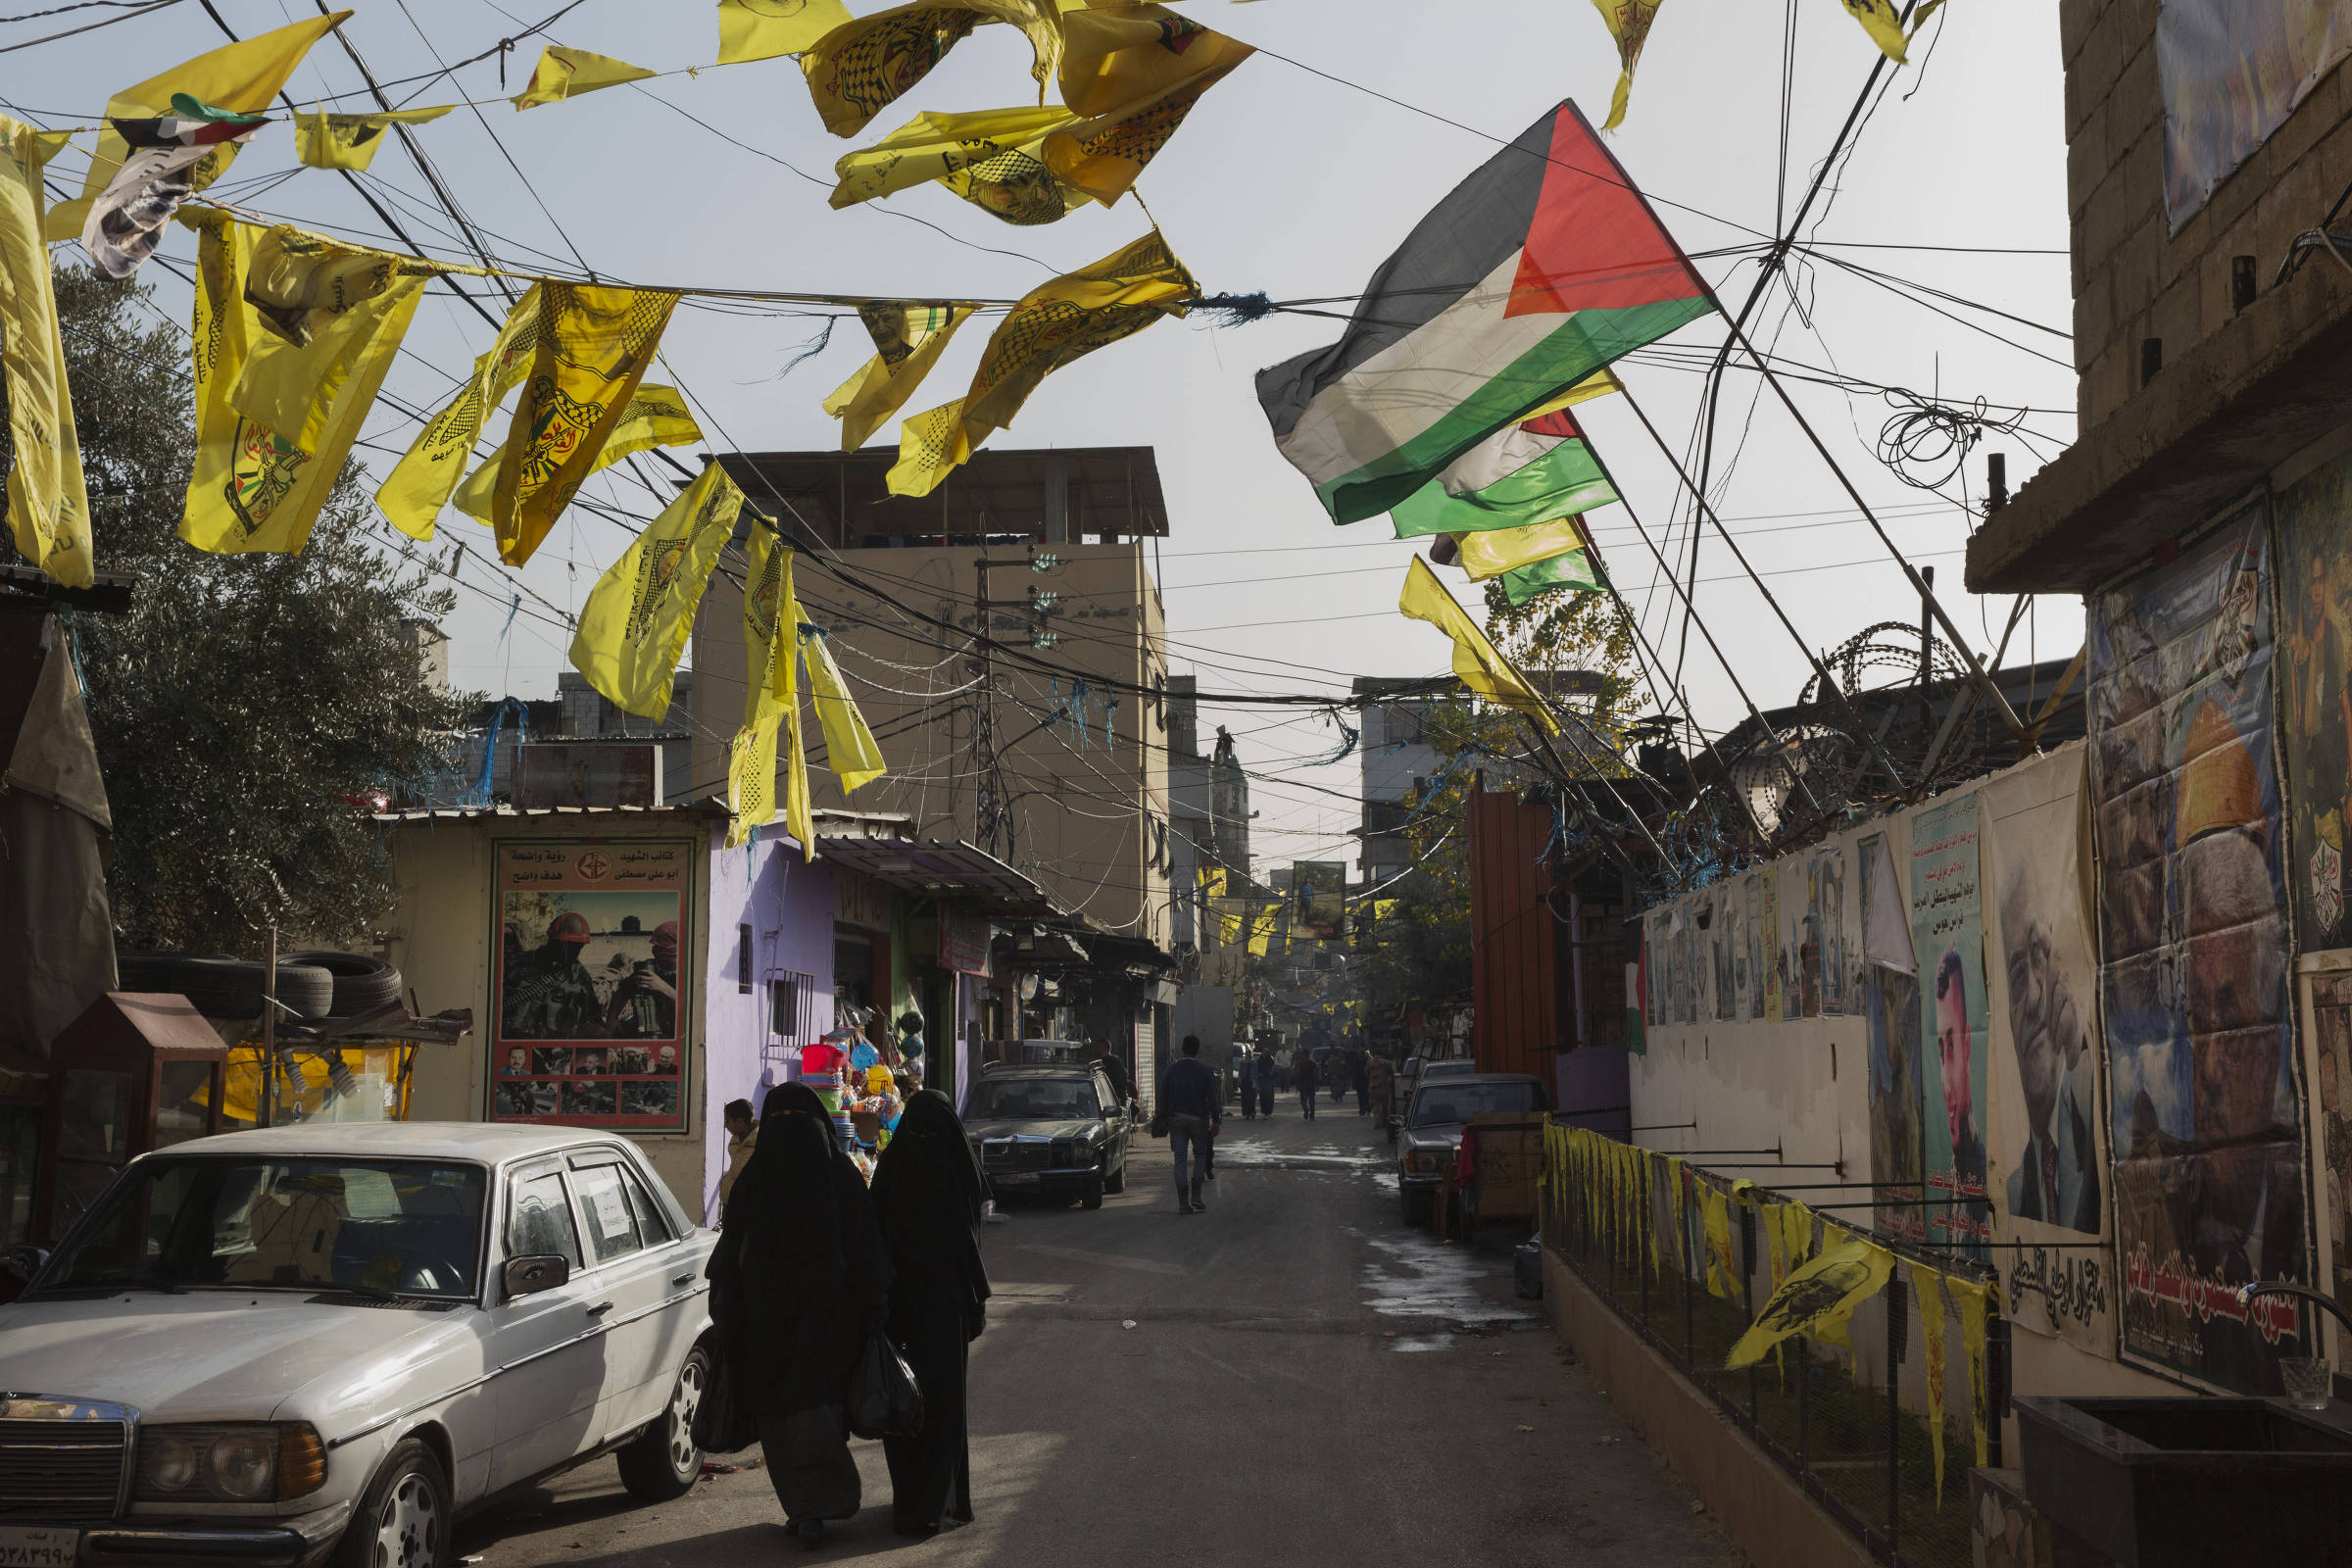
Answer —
25 1261
528 1276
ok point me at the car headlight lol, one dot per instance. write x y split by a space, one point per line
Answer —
256 1462
1423 1164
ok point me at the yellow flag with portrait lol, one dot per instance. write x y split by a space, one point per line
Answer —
772 616
48 500
935 146
562 73
634 627
1628 22
241 78
594 345
421 482
1132 73
761 29
324 140
319 308
1490 551
1816 1295
910 335
656 416
253 487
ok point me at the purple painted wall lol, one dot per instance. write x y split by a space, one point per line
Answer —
788 902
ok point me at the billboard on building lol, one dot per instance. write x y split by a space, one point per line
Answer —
2230 73
1320 888
589 987
1947 935
2203 1103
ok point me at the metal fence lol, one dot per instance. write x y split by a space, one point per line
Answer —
1848 1421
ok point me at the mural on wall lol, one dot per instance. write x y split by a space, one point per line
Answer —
1657 961
1686 965
2315 695
1890 1004
1829 924
2231 72
1808 956
1752 946
1947 934
591 995
2045 1068
1768 939
2331 1024
1722 944
2202 1099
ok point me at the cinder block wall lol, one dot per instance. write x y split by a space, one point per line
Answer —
2132 280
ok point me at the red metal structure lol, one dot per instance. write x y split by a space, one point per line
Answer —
1515 956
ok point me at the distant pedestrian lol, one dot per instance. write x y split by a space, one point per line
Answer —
927 1196
1303 1074
1379 1074
798 1279
1245 1070
1114 1069
743 1137
1265 1081
1187 1092
1361 1061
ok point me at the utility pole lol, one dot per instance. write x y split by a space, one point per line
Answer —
992 819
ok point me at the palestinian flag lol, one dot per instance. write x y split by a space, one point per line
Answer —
1570 570
1539 270
1529 473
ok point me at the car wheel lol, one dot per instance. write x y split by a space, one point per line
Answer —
1116 1181
664 1463
1091 1197
1417 1212
403 1519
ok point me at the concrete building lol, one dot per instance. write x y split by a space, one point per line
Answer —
1398 762
1048 747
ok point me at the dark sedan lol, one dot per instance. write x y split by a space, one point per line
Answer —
1057 1131
1434 1119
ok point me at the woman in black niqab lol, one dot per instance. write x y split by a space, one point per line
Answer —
798 1279
928 1190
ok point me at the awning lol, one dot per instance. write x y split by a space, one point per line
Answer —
942 870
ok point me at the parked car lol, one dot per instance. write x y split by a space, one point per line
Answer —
1441 1107
281 1347
1057 1131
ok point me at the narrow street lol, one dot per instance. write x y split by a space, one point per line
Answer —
1291 1378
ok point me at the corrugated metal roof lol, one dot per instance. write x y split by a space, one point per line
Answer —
435 813
925 867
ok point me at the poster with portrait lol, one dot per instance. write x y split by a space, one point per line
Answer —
1768 938
2049 1170
2231 72
1828 925
1796 930
590 991
2315 695
1752 946
1722 992
1947 934
1686 965
2331 1029
2203 1105
1657 949
1889 997
1320 888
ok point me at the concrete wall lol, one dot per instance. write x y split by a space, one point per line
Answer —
1090 810
2132 279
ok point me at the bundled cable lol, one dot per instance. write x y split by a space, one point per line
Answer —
1926 443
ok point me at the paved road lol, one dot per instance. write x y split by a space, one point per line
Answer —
1292 1377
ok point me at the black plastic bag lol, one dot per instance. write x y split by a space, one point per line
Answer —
722 1422
884 1402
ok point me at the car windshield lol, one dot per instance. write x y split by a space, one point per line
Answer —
1036 1099
1441 1102
368 1227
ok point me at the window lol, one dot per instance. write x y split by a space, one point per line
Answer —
605 1211
539 1220
1036 1099
743 960
652 1224
1443 1103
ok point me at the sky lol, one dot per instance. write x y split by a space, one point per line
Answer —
1296 175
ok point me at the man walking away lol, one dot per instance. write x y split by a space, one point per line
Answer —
1359 1061
1113 1069
1302 1073
1379 1072
1265 1081
1187 1092
1245 1072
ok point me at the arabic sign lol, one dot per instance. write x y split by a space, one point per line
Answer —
2203 1108
963 943
590 983
1947 932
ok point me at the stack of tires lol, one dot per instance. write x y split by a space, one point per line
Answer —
310 985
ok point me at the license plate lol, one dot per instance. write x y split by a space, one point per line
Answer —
21 1548
1020 1178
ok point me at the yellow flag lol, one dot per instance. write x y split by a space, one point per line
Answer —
1926 1291
1131 73
861 67
1475 660
48 504
1883 22
1974 1304
761 29
910 335
1492 552
850 748
421 482
241 78
351 141
253 488
635 624
1627 23
656 416
1599 384
1822 1293
568 73
317 306
594 345
1715 1216
989 158
1056 323
1261 930
772 615
931 445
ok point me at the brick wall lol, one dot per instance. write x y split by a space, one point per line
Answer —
2131 279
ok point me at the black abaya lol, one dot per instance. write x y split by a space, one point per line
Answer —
927 1196
798 1278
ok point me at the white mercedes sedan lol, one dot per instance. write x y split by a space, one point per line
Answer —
327 1342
